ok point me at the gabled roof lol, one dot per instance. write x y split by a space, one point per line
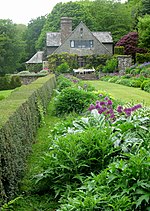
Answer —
53 39
37 58
104 37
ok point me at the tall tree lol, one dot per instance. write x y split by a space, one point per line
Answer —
32 33
11 47
144 32
111 16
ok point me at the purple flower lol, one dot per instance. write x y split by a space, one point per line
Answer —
106 98
109 102
98 105
100 95
119 109
91 107
112 116
128 111
134 108
102 103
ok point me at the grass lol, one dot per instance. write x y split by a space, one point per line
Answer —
5 93
123 93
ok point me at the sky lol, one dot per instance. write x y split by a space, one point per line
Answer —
22 11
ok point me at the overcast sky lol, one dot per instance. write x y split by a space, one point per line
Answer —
22 11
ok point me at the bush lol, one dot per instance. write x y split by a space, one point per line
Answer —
34 67
147 86
73 99
111 66
145 72
141 58
144 83
63 68
112 189
119 50
9 82
136 83
73 157
63 82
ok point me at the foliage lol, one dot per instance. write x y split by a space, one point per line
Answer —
12 47
124 185
73 99
62 68
119 50
63 82
111 66
32 34
19 119
111 16
9 82
34 67
141 58
144 31
73 157
55 60
130 43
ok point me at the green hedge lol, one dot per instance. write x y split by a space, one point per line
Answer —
20 116
119 50
141 58
9 82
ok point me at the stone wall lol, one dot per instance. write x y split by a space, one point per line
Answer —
124 61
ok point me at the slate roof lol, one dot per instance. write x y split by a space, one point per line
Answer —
53 39
104 37
37 58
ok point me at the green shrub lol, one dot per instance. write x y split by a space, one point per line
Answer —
125 82
34 67
111 66
73 157
147 86
63 82
119 50
112 189
145 72
136 83
9 82
63 68
73 99
144 83
141 58
113 79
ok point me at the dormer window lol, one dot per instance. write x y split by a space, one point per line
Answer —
81 43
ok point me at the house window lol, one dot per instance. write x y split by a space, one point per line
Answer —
72 43
81 43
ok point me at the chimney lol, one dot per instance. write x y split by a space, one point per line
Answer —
66 28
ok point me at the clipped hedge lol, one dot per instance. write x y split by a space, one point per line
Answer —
20 117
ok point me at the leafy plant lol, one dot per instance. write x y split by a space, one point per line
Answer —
73 99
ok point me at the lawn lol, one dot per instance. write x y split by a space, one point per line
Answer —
5 93
123 93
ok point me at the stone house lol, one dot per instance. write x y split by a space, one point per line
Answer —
80 41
